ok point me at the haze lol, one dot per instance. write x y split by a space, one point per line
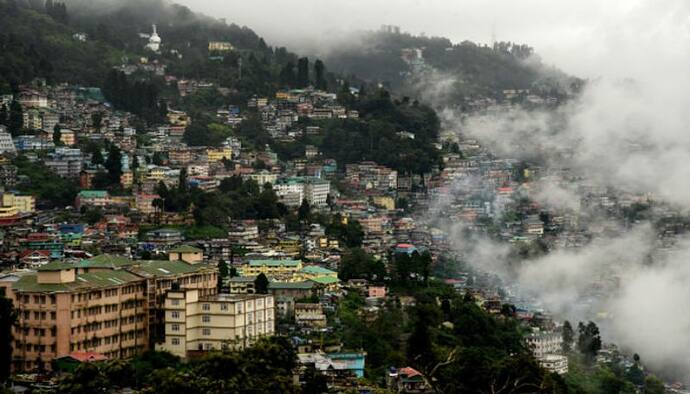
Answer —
588 38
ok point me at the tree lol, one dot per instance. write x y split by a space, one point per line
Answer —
589 340
114 164
319 71
222 274
653 385
303 72
304 212
568 337
261 284
57 135
15 120
314 382
8 317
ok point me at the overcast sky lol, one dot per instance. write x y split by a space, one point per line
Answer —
585 37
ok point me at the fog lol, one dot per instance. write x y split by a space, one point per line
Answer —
575 35
629 130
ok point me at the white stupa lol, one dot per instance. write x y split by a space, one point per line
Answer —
154 41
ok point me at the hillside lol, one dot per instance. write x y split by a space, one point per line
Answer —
408 64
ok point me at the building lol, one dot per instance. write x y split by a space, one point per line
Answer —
106 304
271 268
196 323
61 311
215 155
310 315
92 198
543 343
291 191
554 363
187 254
220 46
6 143
66 162
407 380
154 43
24 204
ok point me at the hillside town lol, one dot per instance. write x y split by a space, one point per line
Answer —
189 219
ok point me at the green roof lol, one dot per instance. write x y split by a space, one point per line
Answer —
82 281
165 267
186 249
93 193
106 261
306 285
316 270
274 263
325 280
56 266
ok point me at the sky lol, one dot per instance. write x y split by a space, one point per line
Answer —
575 35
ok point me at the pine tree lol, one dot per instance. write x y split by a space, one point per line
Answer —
319 78
303 72
57 135
568 336
15 120
261 284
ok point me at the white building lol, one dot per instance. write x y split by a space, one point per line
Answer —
6 143
554 363
543 343
154 41
292 191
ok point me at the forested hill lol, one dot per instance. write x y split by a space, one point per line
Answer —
42 39
392 58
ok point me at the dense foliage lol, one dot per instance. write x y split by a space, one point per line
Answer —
219 372
50 190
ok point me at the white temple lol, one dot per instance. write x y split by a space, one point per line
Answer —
154 41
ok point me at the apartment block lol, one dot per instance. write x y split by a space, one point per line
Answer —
197 323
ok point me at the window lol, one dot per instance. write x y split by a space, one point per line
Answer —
206 307
175 341
223 307
206 331
175 314
206 319
175 302
175 327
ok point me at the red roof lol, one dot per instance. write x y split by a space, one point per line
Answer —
27 252
87 357
409 372
405 246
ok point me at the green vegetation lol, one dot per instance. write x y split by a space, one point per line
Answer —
48 188
162 373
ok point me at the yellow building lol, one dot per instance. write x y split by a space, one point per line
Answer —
196 323
67 137
187 254
126 179
220 46
23 204
271 268
386 202
216 155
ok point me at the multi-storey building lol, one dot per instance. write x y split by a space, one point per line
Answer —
62 311
6 143
201 323
271 268
107 304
